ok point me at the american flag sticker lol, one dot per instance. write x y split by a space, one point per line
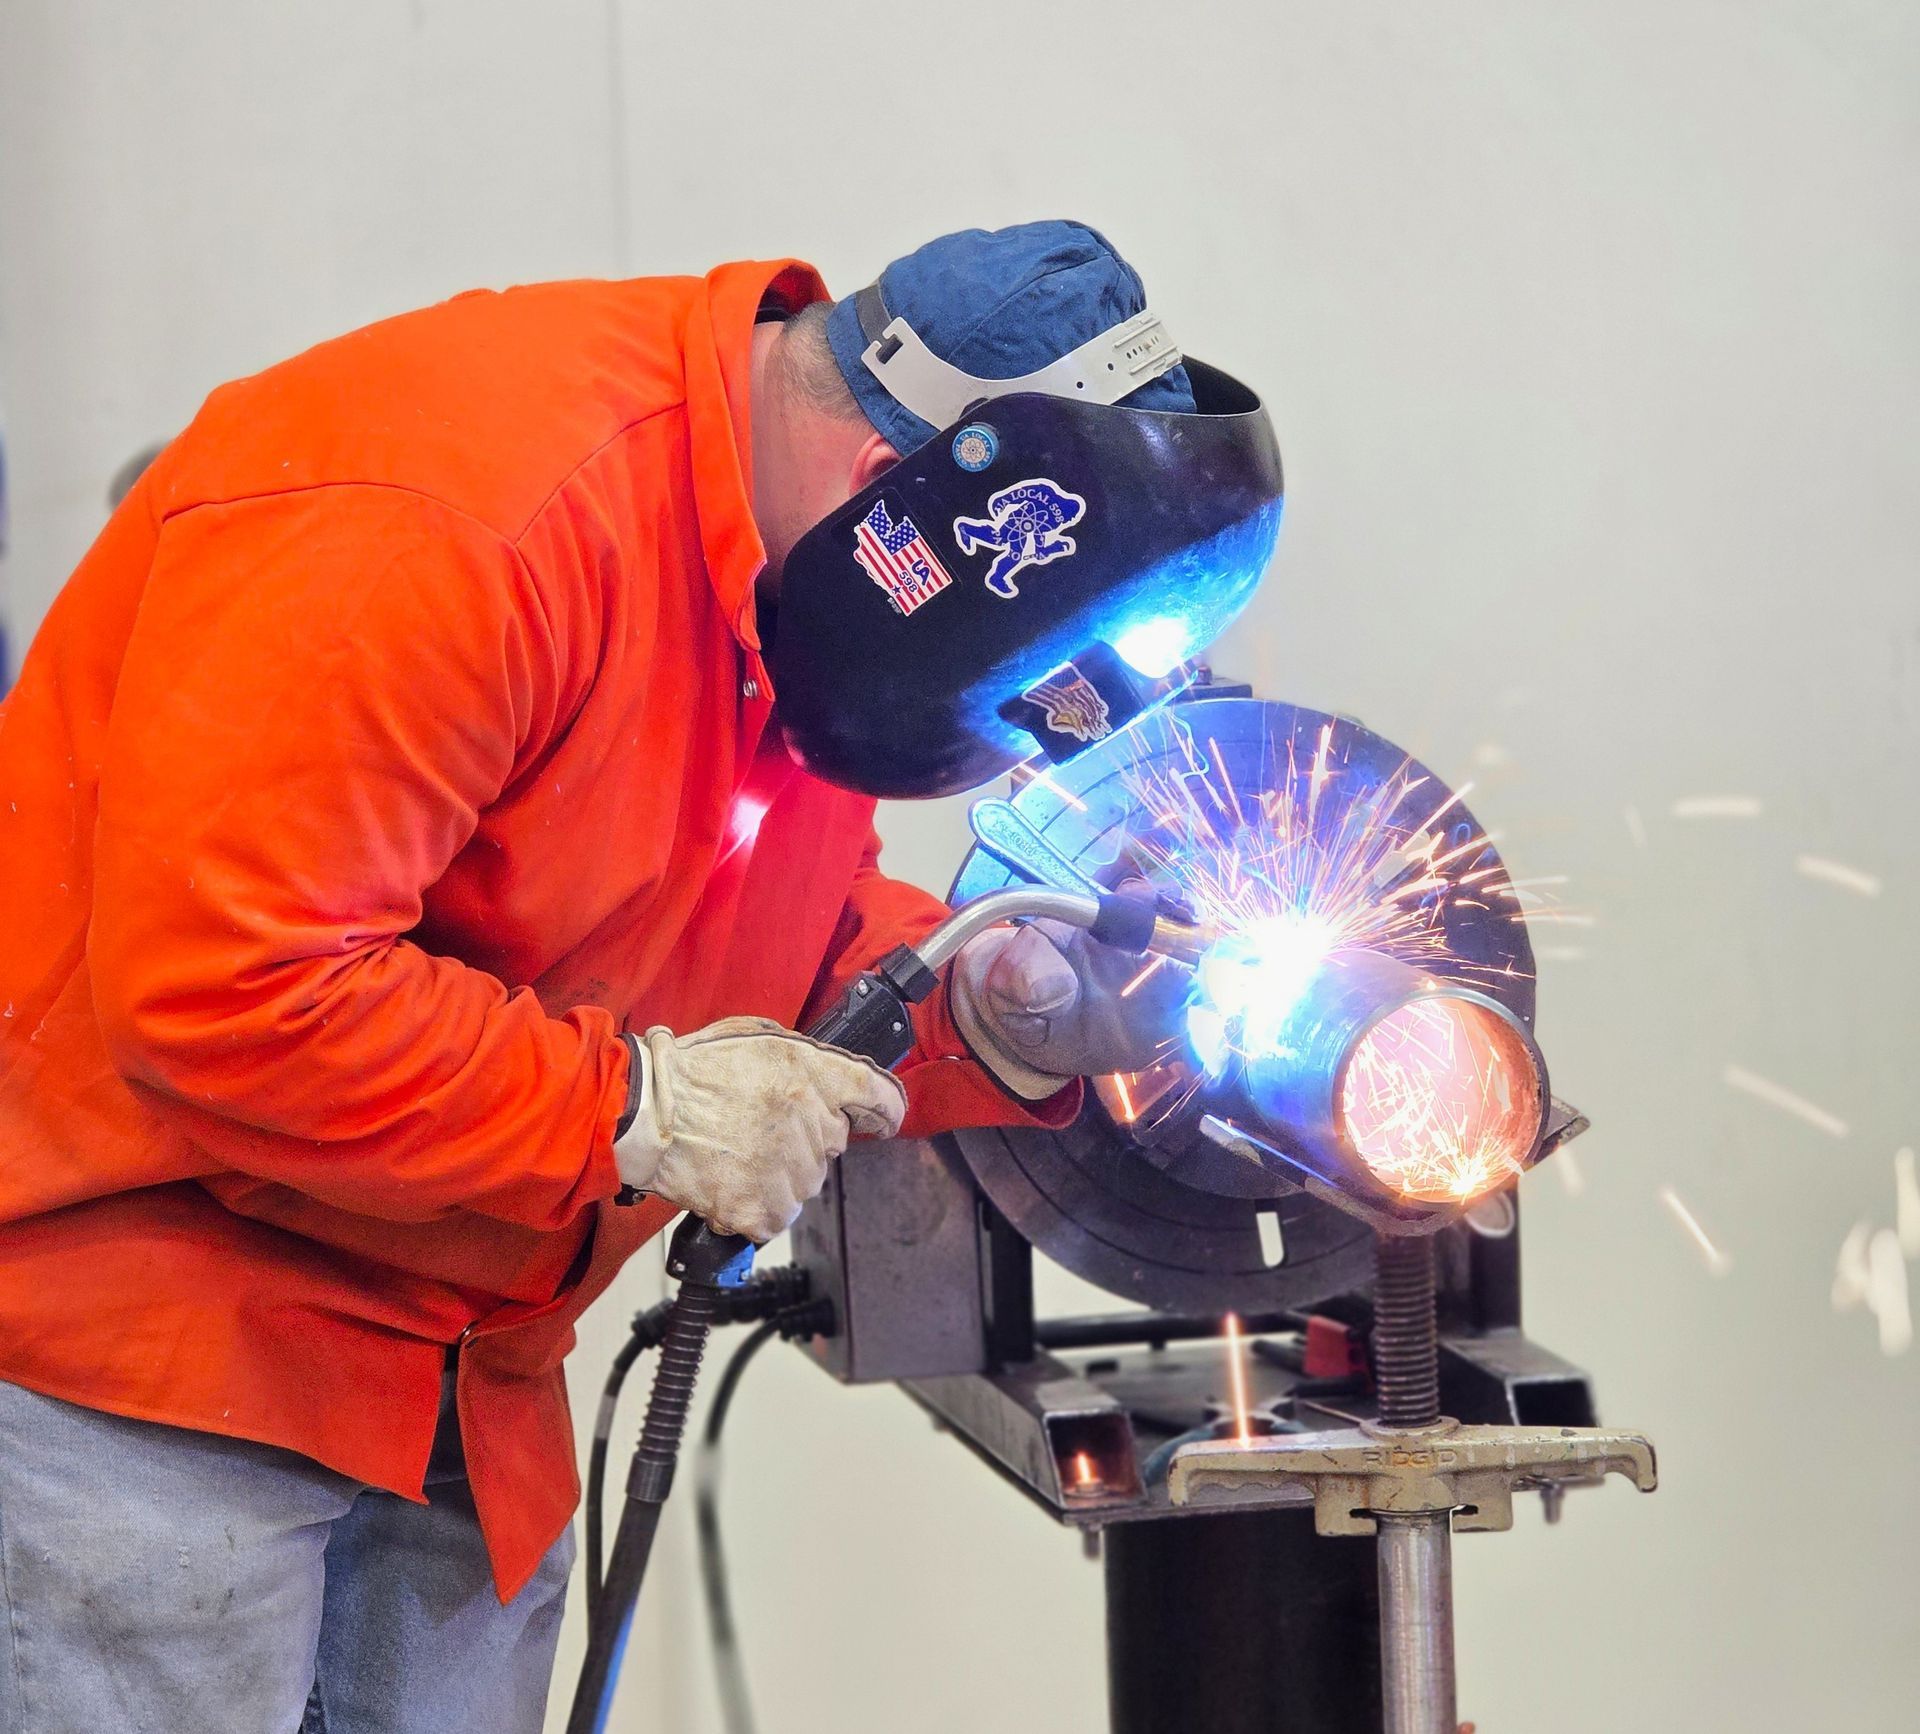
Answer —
896 557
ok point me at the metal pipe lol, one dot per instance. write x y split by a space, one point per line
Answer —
1415 1555
1297 1080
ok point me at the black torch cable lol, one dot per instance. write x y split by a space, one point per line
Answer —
765 1292
729 1666
647 1486
639 1340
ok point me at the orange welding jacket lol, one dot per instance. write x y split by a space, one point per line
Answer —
403 738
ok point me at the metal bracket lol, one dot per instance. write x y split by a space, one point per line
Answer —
1353 1472
1060 1436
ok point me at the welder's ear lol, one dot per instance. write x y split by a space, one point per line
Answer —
870 462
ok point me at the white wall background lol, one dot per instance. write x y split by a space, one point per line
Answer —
1590 333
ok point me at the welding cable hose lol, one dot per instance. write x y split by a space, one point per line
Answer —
782 1292
685 1341
905 978
729 1667
1127 923
648 1328
796 1322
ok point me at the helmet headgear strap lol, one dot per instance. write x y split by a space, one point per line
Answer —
1103 370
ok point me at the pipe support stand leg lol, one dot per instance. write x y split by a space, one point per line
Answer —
1415 1557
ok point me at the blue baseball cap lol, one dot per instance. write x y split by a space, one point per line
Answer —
997 304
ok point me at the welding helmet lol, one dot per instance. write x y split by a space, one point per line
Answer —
1022 574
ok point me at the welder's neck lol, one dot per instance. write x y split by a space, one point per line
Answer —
807 461
764 415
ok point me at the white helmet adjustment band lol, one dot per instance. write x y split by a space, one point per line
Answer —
1103 370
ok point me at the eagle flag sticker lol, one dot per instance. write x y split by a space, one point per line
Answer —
1026 525
1070 707
1070 704
897 557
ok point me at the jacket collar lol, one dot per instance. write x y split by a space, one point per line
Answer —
719 370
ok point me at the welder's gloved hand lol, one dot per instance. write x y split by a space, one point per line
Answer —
1044 1003
737 1122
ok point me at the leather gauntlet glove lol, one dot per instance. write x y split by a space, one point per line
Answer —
738 1121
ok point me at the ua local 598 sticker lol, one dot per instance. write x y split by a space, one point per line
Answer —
896 557
1025 526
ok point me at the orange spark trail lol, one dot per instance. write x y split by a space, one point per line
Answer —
1237 1379
1787 1101
1045 780
1854 879
1717 1261
1127 991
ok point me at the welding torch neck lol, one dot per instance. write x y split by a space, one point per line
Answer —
1022 903
1125 922
872 1015
1183 941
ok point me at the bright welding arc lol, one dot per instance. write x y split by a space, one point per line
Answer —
1442 1097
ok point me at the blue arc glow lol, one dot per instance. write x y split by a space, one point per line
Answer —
1250 983
1155 647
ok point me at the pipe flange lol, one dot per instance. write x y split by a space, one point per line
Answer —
1165 1214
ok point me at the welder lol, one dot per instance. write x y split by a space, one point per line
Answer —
425 816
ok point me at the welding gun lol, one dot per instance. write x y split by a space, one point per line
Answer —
873 1018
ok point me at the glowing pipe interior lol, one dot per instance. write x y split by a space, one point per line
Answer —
1378 1072
1441 1099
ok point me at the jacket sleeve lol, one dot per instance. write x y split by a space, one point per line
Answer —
947 1088
322 691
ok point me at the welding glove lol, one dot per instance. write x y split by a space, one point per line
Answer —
737 1122
1045 1003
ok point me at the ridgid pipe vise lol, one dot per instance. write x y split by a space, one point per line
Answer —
1329 1151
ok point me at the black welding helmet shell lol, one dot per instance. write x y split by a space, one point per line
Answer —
1023 539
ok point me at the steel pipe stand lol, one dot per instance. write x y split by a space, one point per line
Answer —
1353 1472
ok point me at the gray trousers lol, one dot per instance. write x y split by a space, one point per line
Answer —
161 1580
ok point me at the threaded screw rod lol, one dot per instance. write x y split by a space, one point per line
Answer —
1406 1343
1414 1548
